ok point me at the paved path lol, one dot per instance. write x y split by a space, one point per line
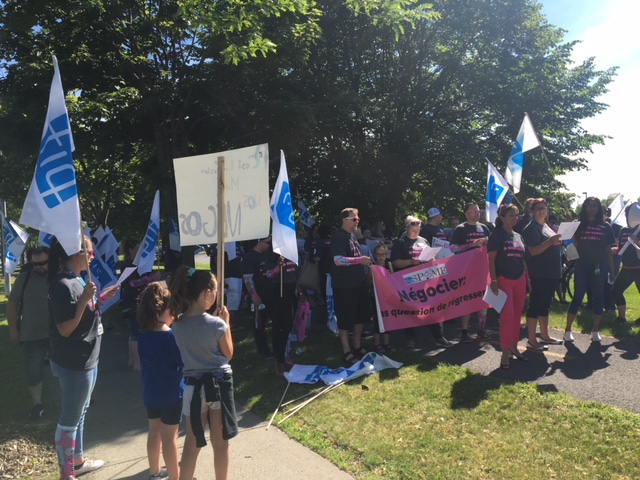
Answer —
117 432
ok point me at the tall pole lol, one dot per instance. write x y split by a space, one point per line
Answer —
221 228
7 277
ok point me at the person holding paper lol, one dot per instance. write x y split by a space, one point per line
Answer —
508 273
404 254
630 271
544 263
75 336
468 235
593 239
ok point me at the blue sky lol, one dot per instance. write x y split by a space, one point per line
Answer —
609 32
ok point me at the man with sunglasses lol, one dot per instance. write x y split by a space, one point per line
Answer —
28 316
404 254
350 286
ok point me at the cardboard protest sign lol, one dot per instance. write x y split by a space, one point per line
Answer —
431 292
246 192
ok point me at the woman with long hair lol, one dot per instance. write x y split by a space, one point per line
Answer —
593 239
508 273
75 335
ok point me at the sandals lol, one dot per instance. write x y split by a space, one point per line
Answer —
359 352
349 358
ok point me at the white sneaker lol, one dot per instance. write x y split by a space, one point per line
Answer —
595 337
568 337
88 466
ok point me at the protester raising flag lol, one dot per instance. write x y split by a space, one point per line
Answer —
15 240
305 217
497 188
525 141
284 227
52 203
146 255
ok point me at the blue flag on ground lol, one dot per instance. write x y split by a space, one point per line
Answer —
525 141
52 203
497 188
283 235
146 256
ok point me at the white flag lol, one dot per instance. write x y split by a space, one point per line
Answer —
52 202
497 188
525 141
15 240
617 211
284 226
146 256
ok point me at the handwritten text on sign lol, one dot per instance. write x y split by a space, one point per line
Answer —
431 292
246 192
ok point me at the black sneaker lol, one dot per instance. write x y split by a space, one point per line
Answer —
36 412
444 343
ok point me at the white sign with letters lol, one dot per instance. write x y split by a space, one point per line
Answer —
246 195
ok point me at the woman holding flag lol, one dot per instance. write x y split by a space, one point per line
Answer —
75 334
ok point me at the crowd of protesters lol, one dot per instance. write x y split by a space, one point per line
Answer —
526 258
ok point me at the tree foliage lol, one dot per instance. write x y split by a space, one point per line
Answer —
387 105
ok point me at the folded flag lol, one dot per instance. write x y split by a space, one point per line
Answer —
15 241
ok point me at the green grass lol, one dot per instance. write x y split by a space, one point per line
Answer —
424 421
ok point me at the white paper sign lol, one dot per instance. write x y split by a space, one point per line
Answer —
428 254
125 274
567 229
496 301
246 192
445 248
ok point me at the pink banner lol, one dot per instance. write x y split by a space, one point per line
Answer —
432 292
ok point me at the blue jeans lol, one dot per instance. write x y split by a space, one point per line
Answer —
35 352
76 387
584 276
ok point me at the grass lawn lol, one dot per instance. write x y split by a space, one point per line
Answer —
424 421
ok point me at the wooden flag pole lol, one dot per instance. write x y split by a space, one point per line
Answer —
83 249
221 228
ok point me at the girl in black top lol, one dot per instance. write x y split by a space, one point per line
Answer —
594 239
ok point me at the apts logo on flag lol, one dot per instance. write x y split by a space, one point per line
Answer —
55 175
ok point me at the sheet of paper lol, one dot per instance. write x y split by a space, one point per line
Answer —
127 271
567 229
445 248
496 301
428 253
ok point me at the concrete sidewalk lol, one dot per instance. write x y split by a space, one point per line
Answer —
116 432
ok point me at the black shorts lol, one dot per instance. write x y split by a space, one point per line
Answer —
352 305
169 415
542 291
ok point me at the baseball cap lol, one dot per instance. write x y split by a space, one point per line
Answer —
433 212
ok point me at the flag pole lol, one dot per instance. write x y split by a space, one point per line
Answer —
221 224
86 254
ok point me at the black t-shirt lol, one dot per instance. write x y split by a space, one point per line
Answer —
522 223
549 263
429 232
289 270
465 234
510 253
255 263
80 350
344 244
630 255
405 248
592 241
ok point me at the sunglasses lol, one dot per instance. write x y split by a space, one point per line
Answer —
415 224
39 264
87 252
355 219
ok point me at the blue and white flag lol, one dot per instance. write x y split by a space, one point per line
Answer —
305 217
107 246
497 188
52 203
617 211
526 140
174 236
146 255
15 240
45 239
370 363
103 276
283 235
